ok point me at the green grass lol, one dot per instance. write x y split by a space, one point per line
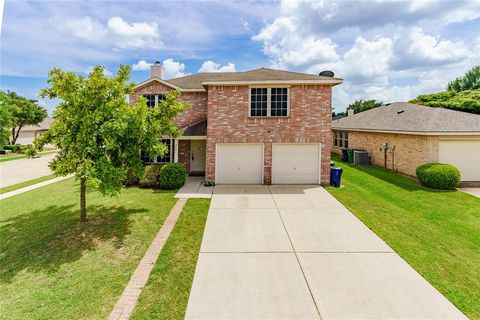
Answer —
166 294
26 183
53 267
17 156
436 232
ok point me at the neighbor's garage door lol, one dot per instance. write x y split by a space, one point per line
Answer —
295 163
239 163
465 155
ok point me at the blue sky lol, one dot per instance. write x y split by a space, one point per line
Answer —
386 50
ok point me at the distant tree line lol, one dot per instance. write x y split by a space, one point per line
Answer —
462 94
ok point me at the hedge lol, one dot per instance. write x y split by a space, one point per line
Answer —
438 176
172 176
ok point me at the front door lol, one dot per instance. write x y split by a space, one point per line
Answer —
197 156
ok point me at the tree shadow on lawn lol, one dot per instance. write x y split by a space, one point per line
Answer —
43 240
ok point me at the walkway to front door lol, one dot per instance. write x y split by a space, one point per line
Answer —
293 252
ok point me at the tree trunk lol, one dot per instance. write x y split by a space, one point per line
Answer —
15 134
83 200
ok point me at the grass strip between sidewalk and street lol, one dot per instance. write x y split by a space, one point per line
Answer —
167 291
26 183
18 156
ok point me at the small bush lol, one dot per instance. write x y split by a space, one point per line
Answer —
438 176
131 179
172 176
151 177
13 147
30 151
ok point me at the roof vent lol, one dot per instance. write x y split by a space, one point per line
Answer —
326 73
400 112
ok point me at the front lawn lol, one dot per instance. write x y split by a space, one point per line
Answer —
436 232
166 294
53 267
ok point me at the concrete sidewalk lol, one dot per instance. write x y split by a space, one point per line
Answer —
17 171
295 252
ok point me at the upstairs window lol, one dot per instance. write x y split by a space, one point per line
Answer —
279 102
150 100
258 102
153 99
269 102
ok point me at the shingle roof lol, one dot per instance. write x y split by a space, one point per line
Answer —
195 81
44 125
408 117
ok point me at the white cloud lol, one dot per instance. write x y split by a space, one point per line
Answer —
173 69
380 48
211 66
141 65
117 33
413 48
284 43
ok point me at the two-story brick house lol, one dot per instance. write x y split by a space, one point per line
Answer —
262 126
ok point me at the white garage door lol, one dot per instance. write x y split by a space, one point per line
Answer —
295 163
239 163
465 155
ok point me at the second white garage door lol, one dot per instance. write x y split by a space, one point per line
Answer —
239 163
295 163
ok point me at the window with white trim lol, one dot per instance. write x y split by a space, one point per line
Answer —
340 139
153 99
167 157
269 102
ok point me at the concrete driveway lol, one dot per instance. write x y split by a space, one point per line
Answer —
16 171
294 252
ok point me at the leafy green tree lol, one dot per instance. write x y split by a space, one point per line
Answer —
22 111
6 118
99 134
363 105
467 100
470 81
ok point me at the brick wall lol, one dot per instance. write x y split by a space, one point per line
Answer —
198 101
411 151
309 122
184 153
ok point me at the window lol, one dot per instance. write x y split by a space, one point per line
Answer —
279 102
258 102
269 102
153 99
150 100
340 139
167 157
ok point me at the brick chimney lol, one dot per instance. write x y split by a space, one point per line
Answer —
156 70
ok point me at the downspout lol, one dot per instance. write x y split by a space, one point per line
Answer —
393 157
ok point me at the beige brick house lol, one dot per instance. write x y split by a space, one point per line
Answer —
261 126
403 136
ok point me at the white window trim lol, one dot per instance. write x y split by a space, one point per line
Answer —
170 151
269 101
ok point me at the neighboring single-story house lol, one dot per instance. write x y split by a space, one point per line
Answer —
413 135
29 133
261 126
